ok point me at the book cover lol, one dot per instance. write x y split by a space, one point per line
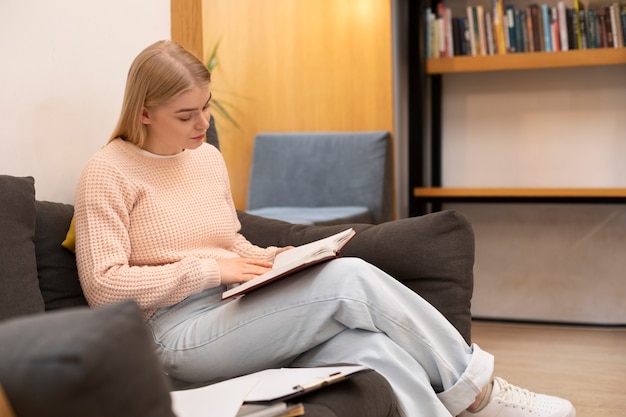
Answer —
294 260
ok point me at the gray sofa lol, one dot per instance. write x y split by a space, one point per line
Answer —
58 357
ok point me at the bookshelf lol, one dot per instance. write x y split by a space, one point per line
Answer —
527 60
425 109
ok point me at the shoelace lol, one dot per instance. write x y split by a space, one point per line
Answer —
515 396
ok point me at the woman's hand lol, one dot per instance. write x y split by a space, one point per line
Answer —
237 270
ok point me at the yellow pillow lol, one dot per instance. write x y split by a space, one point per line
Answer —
70 238
5 408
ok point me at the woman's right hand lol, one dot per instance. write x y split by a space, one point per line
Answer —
238 270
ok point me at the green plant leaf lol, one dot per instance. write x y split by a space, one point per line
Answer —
224 111
220 105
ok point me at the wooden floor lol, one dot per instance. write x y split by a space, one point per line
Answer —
586 365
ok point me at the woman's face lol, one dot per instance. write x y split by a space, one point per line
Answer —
178 124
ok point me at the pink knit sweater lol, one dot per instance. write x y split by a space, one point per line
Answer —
150 228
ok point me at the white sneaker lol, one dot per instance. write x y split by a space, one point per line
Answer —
510 401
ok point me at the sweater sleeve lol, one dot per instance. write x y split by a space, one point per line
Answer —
104 200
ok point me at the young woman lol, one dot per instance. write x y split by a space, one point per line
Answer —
155 222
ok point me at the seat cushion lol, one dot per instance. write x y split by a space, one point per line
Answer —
19 288
316 215
82 362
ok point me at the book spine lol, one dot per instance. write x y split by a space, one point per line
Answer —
608 26
519 39
554 25
498 26
523 19
617 26
583 29
480 19
530 30
547 28
536 22
602 32
591 29
489 33
471 26
456 36
442 29
449 38
562 25
577 19
510 23
623 19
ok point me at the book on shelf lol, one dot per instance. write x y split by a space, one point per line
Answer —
504 28
296 259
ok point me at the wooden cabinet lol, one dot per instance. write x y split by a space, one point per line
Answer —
425 109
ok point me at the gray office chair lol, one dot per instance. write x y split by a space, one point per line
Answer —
322 178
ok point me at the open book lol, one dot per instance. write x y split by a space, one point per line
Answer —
296 259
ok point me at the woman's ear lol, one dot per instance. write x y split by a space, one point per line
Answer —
145 116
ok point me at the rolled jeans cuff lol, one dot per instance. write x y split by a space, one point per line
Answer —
478 374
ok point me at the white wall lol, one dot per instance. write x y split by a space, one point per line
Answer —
542 128
62 76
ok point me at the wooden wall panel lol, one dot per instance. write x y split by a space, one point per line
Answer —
305 65
186 21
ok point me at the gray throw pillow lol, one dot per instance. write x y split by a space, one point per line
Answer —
56 266
19 289
80 362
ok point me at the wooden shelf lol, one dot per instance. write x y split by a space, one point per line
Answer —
524 61
520 194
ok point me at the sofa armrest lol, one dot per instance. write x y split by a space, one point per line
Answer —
431 254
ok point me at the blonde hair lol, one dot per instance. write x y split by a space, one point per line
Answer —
158 74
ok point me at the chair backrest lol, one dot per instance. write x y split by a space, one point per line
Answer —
322 170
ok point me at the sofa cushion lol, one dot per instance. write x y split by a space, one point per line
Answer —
316 215
19 289
431 254
82 362
370 395
56 265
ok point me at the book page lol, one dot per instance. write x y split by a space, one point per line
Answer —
326 246
223 399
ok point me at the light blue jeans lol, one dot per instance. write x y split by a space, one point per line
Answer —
343 311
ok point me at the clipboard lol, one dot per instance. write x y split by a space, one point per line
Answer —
287 383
